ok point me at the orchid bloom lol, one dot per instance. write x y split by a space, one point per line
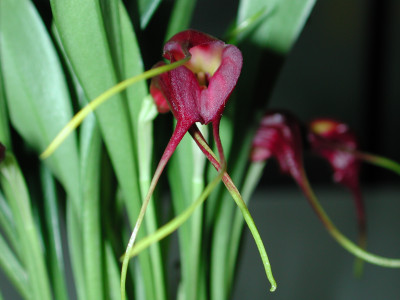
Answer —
2 152
279 136
198 90
334 141
195 92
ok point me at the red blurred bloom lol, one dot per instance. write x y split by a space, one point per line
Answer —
279 136
334 141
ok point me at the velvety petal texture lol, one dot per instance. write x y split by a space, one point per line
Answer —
198 91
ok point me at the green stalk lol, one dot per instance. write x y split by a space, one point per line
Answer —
240 203
16 192
180 174
380 161
252 178
145 148
91 106
54 249
337 235
175 223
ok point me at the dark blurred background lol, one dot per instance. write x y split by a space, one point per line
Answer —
345 65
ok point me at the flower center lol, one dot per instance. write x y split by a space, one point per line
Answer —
205 61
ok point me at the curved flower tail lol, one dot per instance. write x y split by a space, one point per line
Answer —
177 136
91 106
279 137
338 236
204 147
332 140
175 223
218 142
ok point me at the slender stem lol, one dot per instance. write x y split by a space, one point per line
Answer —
250 182
174 224
91 106
218 142
337 235
373 159
380 161
177 136
147 114
198 137
362 227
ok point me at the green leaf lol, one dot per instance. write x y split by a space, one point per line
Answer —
16 193
54 247
283 25
132 63
75 246
180 17
90 176
13 269
4 128
146 10
81 30
35 88
86 44
7 223
112 273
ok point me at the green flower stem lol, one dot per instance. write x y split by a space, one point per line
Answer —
250 183
337 235
145 148
91 106
362 229
240 203
380 161
177 136
174 224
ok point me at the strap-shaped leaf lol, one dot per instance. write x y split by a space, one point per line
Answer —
82 33
35 88
282 25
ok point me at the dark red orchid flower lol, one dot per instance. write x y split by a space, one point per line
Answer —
2 152
195 92
334 141
198 90
279 136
